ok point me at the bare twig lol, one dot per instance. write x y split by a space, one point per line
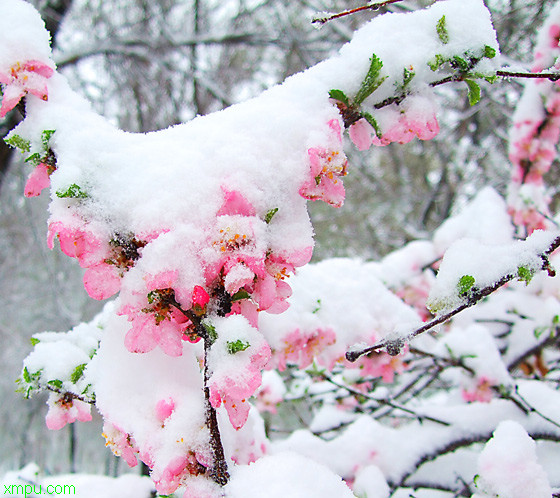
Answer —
552 76
372 6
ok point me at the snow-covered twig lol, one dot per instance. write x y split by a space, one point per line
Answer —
393 346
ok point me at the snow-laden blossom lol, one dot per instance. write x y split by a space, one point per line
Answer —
508 465
381 364
38 180
175 472
235 389
361 133
408 126
21 79
241 261
164 409
156 319
302 347
65 409
482 391
235 362
120 443
327 165
106 262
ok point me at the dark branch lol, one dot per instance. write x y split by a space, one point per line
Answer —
372 6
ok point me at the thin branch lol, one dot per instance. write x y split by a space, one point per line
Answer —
553 76
393 346
461 442
383 402
325 18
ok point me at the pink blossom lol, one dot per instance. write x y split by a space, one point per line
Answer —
146 333
172 475
77 243
483 391
301 348
178 469
360 133
164 409
120 443
38 180
381 365
200 297
235 203
102 281
235 390
64 409
327 165
29 77
554 33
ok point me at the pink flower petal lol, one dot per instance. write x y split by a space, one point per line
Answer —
102 281
360 133
37 181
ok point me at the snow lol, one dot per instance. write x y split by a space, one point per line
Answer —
286 474
508 465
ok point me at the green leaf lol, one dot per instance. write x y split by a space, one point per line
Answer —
489 52
77 373
26 376
34 341
268 216
371 120
371 82
34 159
340 96
210 332
73 192
55 383
237 346
45 138
489 77
17 142
465 284
438 61
474 91
460 63
239 295
442 31
525 274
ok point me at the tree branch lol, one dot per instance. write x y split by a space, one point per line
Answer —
393 346
325 18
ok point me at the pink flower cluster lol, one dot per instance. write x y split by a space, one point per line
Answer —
65 409
534 138
106 262
239 259
401 127
172 473
157 317
21 79
381 365
302 347
327 165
